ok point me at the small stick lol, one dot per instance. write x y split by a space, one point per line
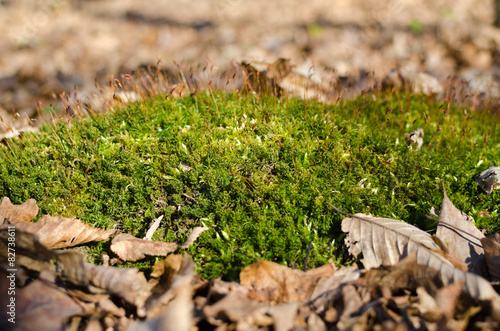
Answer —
307 255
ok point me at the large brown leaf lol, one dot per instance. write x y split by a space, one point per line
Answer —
462 238
269 281
385 241
10 213
60 232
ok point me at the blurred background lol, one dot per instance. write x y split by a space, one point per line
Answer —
53 46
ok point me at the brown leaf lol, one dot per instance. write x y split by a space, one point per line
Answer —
405 275
29 252
173 309
416 82
60 232
10 214
236 307
126 283
130 248
385 241
447 299
164 271
342 276
352 301
492 254
40 306
257 80
269 281
460 235
278 78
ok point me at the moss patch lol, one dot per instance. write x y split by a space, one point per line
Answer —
257 171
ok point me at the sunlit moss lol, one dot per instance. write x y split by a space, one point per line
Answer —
257 171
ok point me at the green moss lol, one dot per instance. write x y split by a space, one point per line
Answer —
262 171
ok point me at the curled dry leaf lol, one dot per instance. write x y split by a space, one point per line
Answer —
60 232
130 248
269 281
10 213
489 180
126 283
385 241
462 238
173 310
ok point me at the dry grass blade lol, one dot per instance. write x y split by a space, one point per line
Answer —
195 233
385 241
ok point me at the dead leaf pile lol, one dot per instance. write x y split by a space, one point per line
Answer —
279 78
412 281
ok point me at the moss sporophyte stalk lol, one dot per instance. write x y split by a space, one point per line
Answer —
257 171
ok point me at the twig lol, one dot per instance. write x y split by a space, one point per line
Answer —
340 211
307 255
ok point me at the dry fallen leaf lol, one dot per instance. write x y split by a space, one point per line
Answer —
278 78
462 238
492 254
272 282
416 82
130 248
10 214
60 232
30 254
152 229
239 308
385 241
126 283
405 275
489 180
257 80
41 306
173 310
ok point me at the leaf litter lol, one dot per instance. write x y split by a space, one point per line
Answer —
410 281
